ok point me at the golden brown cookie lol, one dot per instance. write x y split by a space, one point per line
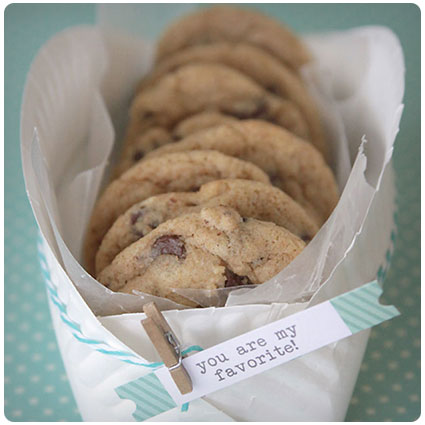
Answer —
177 172
156 137
257 64
233 24
214 248
249 198
195 88
292 164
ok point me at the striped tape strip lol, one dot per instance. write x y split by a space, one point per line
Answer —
360 309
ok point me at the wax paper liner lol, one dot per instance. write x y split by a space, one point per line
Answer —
75 95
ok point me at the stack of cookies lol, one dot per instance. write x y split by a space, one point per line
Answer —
223 177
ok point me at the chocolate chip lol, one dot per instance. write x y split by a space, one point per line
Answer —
138 155
244 219
169 244
232 279
136 215
272 89
305 238
154 224
147 114
275 179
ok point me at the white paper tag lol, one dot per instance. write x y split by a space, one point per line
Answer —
257 351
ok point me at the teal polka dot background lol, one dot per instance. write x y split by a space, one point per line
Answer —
36 385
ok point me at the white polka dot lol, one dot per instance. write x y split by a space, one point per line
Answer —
26 307
366 388
416 271
11 317
47 412
36 357
413 321
396 387
38 336
409 375
383 399
49 389
10 337
413 397
23 347
16 413
8 358
392 365
63 400
401 409
50 367
373 334
51 346
404 281
19 390
376 355
34 378
39 316
416 342
388 344
370 411
364 367
385 325
404 354
21 368
409 301
12 297
40 296
27 287
7 379
64 377
24 326
33 401
76 410
379 377
401 332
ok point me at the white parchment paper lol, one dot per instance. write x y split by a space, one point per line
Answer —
74 152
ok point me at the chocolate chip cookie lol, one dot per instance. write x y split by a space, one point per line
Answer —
292 164
195 88
157 137
230 24
176 172
215 248
249 198
257 64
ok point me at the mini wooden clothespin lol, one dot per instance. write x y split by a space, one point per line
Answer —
167 346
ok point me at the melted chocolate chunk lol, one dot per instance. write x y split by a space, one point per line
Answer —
273 89
169 244
138 155
305 238
275 179
136 215
232 279
147 114
154 224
